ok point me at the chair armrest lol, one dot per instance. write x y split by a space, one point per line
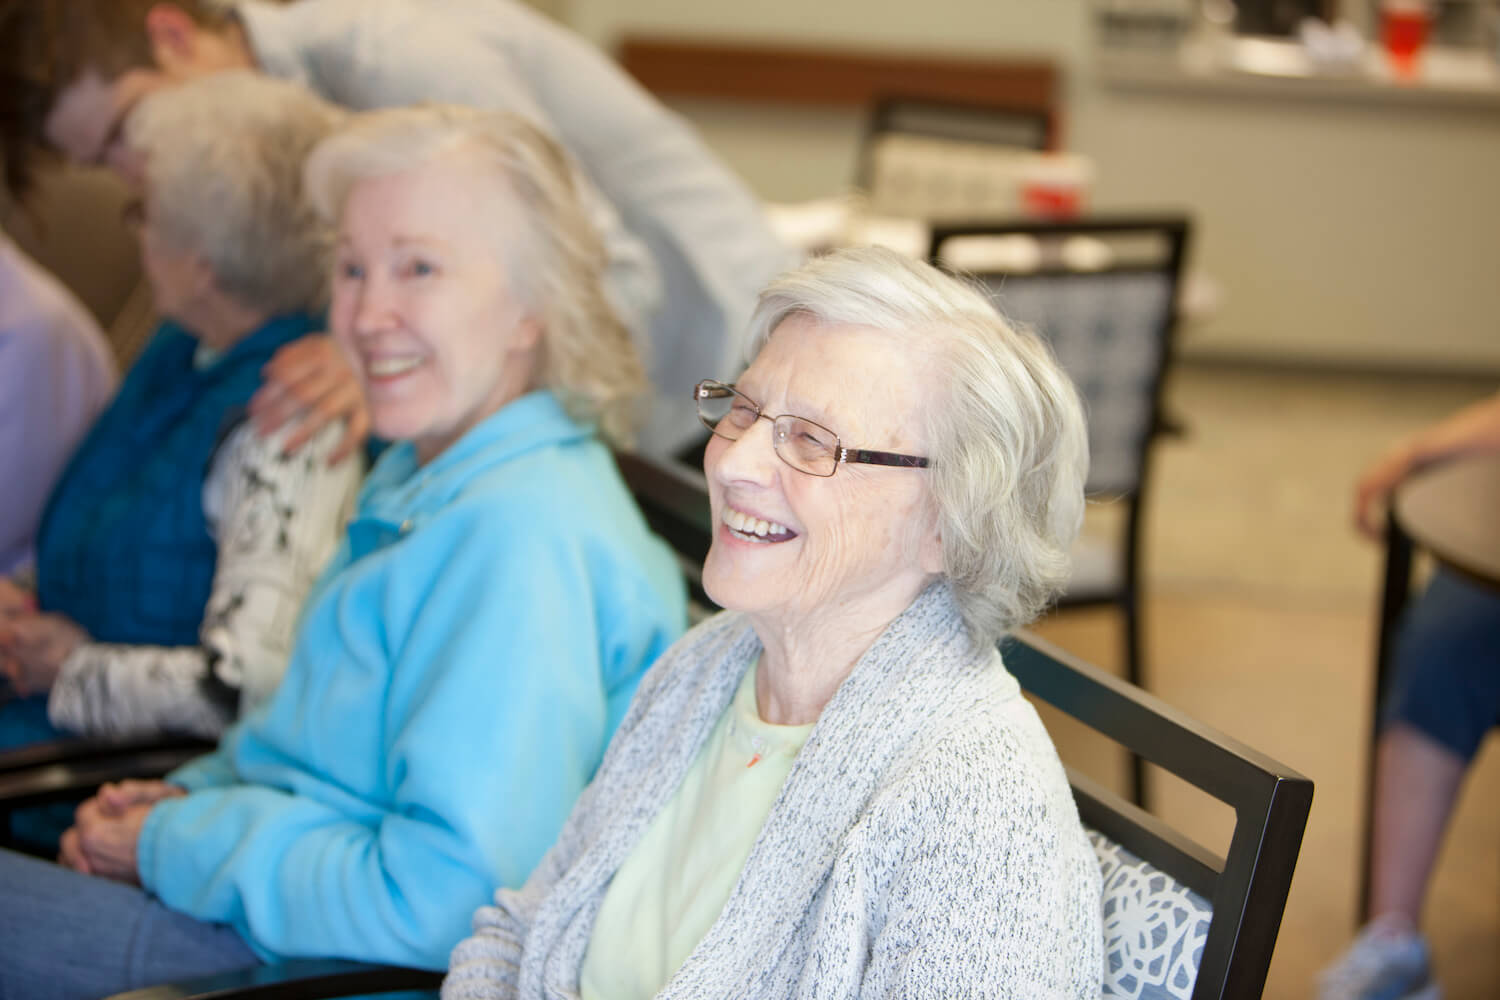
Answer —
49 772
302 979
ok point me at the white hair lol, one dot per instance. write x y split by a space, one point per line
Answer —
1005 432
223 171
554 256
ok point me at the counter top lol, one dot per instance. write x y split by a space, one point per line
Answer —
1270 68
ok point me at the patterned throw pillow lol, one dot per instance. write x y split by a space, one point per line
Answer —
1154 927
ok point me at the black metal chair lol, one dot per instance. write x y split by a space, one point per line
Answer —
1245 890
300 980
674 498
70 770
1103 292
1027 128
1240 897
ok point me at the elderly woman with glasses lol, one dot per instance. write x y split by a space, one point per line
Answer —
834 788
476 638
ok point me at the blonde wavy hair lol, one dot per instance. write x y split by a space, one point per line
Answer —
555 257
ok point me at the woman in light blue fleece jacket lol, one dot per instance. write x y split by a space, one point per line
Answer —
462 662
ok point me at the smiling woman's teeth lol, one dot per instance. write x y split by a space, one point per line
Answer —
386 367
754 527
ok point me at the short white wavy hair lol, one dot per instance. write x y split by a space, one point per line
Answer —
554 255
223 172
1005 432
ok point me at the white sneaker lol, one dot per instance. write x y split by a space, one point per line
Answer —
1388 961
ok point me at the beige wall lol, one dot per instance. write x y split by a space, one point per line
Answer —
1342 233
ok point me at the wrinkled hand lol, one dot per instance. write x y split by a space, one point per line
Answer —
309 383
33 648
115 797
104 843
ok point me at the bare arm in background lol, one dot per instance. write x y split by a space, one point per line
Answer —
1474 430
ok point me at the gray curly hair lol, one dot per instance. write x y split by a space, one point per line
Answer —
1006 434
223 169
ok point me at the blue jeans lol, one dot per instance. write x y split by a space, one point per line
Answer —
67 935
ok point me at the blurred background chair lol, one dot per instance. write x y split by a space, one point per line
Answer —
956 125
1103 292
944 160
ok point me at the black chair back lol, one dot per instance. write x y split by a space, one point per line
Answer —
1020 127
1248 886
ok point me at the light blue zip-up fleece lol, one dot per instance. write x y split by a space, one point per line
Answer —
460 667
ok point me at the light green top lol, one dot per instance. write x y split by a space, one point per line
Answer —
675 881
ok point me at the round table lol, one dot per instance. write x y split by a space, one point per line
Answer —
1453 511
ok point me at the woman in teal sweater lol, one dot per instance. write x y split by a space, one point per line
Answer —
462 662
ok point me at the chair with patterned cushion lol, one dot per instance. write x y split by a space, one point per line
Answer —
1180 921
1103 293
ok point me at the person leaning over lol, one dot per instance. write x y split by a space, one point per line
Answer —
688 243
834 788
470 648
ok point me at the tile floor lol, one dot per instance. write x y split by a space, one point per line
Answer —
1261 621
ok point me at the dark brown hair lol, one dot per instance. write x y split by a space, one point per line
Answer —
46 45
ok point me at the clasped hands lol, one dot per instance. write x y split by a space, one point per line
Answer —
107 828
33 644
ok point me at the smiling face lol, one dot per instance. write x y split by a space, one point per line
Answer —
422 303
796 550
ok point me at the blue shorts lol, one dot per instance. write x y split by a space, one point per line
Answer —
1446 670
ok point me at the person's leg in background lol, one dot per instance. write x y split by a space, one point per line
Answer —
1445 697
66 935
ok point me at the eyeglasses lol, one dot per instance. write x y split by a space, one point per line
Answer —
804 445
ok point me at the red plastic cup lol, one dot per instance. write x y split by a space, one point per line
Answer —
1403 32
1055 185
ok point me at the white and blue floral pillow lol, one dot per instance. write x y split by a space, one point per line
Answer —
1154 927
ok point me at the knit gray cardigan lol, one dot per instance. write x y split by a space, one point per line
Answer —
925 843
